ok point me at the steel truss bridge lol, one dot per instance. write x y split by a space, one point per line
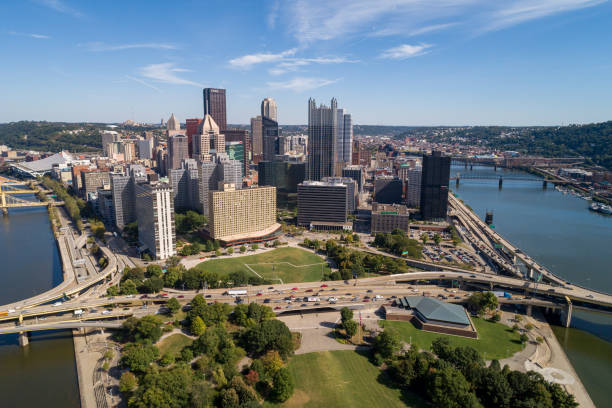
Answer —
10 188
493 177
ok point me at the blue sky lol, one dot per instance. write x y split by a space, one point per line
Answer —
402 62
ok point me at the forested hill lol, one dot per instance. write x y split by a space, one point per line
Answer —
593 141
51 136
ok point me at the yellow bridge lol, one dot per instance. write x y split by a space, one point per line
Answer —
9 188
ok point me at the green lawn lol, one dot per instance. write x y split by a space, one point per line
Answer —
495 339
343 379
173 344
287 264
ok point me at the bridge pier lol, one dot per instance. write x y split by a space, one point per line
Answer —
544 185
490 285
23 339
501 182
566 315
529 310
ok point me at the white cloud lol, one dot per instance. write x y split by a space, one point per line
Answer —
31 35
145 83
247 61
62 7
167 73
100 46
405 51
301 84
317 20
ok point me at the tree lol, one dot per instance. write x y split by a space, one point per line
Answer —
276 243
127 383
523 338
202 394
154 270
173 305
172 276
529 327
230 251
387 343
269 335
128 287
283 385
138 357
448 388
346 314
166 360
493 389
153 284
515 327
518 318
437 239
197 326
229 399
424 238
539 339
255 247
242 249
350 327
217 253
146 329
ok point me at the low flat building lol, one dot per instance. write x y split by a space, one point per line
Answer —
387 217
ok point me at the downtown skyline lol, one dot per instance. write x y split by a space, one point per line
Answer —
463 62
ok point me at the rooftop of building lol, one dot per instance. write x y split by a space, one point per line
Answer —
434 309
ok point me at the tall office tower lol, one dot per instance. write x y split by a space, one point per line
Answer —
256 139
344 140
122 188
351 190
434 186
283 175
321 203
173 123
208 178
241 136
155 209
92 180
236 151
230 171
109 137
177 151
185 185
162 161
191 129
268 109
357 173
145 149
269 135
322 136
129 151
241 216
214 105
105 207
209 140
388 190
412 179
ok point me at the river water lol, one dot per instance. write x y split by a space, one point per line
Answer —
43 373
559 232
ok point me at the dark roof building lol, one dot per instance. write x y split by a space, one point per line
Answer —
434 311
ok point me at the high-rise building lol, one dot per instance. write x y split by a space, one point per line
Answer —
241 136
173 123
209 181
214 105
268 109
145 149
285 176
177 151
155 214
122 187
322 137
230 171
77 183
109 137
129 151
434 186
92 180
351 190
322 202
269 135
209 140
235 151
412 181
357 173
344 138
191 129
388 190
185 185
242 216
256 139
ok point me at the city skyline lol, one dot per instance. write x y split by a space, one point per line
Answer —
523 62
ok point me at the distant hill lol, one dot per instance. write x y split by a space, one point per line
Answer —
51 136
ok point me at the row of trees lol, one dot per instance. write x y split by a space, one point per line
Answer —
457 377
399 244
73 205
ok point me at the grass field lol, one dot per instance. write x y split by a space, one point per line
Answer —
173 344
287 264
343 379
495 339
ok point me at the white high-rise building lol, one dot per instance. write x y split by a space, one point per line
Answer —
173 123
155 212
269 109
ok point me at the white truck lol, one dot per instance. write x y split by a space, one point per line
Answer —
78 312
313 299
236 292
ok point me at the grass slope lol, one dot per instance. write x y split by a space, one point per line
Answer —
343 379
288 265
173 344
495 339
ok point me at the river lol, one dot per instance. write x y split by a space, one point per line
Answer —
43 373
559 232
